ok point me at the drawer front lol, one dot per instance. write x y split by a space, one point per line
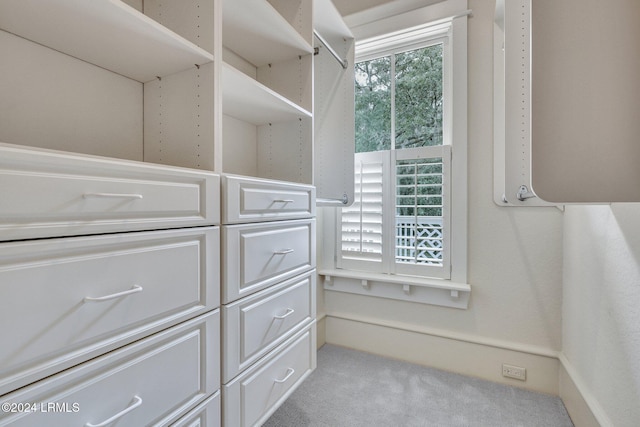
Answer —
206 414
259 255
252 397
72 299
47 194
253 200
256 324
132 384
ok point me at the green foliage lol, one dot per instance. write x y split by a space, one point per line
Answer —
373 105
418 100
419 97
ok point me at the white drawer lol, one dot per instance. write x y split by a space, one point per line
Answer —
168 276
206 414
256 256
254 325
256 394
163 376
253 200
48 193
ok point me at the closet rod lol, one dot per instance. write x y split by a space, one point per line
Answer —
333 53
333 202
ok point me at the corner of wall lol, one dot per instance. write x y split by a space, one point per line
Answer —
582 407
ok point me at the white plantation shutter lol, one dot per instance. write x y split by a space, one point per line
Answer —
422 201
399 221
362 222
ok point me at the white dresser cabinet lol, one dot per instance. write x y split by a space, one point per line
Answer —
255 325
130 386
51 193
253 200
117 118
251 397
268 295
206 414
109 237
76 298
98 318
256 256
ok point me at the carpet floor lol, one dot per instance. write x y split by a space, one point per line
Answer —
352 389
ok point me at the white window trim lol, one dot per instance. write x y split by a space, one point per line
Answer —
454 14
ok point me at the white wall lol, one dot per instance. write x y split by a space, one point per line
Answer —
601 309
514 268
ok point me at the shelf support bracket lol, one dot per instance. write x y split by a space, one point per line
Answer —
343 62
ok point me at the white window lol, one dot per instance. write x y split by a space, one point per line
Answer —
409 210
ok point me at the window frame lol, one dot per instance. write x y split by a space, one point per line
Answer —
452 32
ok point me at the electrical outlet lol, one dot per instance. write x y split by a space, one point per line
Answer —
516 372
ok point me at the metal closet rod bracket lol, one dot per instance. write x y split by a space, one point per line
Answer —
342 61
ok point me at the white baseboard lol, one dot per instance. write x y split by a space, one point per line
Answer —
582 406
548 371
459 354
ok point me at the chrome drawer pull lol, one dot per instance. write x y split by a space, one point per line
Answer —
133 290
283 251
111 196
290 372
283 201
288 313
137 402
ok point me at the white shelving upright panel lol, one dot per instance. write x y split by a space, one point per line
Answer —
334 122
565 124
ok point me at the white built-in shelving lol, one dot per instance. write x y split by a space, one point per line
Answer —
109 119
111 78
258 31
109 34
267 82
247 99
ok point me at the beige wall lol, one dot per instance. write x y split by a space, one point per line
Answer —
543 282
514 254
601 309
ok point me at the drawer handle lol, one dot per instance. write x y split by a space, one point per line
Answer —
283 251
111 196
133 290
290 371
288 313
137 401
283 201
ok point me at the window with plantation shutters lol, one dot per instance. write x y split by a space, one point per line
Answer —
408 217
398 222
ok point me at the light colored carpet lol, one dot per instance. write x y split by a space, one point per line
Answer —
353 389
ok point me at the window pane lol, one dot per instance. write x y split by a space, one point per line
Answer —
373 105
419 211
419 97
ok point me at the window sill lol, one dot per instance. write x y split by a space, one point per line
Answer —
406 288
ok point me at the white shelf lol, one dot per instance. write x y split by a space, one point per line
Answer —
406 288
256 31
246 99
328 22
106 33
